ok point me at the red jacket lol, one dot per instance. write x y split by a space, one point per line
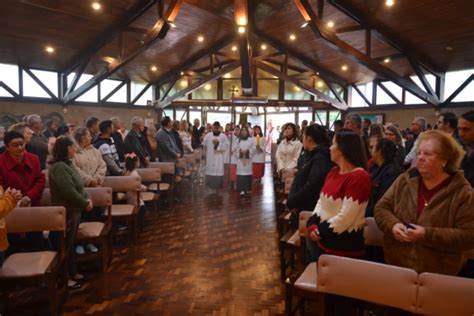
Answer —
25 176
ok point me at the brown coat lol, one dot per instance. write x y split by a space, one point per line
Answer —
448 220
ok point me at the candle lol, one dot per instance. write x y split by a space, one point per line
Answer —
257 139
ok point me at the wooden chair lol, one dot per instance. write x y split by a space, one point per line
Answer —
168 170
444 295
125 213
43 267
292 245
151 177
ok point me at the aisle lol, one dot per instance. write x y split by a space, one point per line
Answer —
216 255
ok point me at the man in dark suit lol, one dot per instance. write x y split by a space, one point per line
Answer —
168 150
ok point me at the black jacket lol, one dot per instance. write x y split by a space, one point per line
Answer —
468 167
382 179
400 156
118 140
134 144
312 168
178 141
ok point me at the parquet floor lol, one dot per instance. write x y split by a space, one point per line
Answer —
212 255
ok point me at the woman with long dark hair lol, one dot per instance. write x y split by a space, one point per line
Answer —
289 148
67 189
258 161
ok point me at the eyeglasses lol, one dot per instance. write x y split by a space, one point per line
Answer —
16 144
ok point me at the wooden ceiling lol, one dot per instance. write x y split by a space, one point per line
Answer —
440 33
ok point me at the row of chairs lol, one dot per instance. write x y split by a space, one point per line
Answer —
381 284
48 267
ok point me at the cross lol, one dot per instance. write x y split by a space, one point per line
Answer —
233 90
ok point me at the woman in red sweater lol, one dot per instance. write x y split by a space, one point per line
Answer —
336 226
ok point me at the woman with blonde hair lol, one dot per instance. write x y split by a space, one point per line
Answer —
426 215
185 136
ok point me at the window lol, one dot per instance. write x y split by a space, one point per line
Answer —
357 100
293 92
321 117
9 75
268 88
32 89
453 80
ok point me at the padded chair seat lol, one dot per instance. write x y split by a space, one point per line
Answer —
295 239
90 229
148 196
308 279
153 187
164 186
122 209
27 264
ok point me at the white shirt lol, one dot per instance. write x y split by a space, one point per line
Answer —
215 157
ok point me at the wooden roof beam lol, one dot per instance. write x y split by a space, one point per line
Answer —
336 103
331 40
386 35
245 51
158 31
195 86
301 58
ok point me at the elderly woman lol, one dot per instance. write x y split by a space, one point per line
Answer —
88 160
67 189
426 215
289 148
392 133
24 130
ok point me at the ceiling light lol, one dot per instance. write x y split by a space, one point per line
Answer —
292 37
242 20
182 73
153 68
389 3
330 24
344 67
449 48
305 24
49 49
234 48
96 6
241 29
263 47
386 60
320 84
207 87
317 74
227 75
184 83
200 39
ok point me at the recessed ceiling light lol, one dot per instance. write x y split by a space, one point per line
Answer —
449 48
49 49
320 84
153 68
241 29
344 67
184 83
305 24
96 6
200 39
386 60
330 24
317 74
234 48
242 20
207 87
389 3
263 47
292 37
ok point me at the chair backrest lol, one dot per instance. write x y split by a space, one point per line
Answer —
123 183
45 198
165 167
36 219
148 175
369 281
373 236
445 295
303 219
100 196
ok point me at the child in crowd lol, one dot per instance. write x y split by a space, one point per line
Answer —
131 164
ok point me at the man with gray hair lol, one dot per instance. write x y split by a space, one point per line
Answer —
354 122
418 126
39 143
134 142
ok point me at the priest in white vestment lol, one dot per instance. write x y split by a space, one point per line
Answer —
216 145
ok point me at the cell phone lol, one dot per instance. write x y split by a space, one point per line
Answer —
408 225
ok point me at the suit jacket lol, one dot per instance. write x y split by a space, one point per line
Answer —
134 144
168 151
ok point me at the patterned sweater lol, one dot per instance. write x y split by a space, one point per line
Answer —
339 213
